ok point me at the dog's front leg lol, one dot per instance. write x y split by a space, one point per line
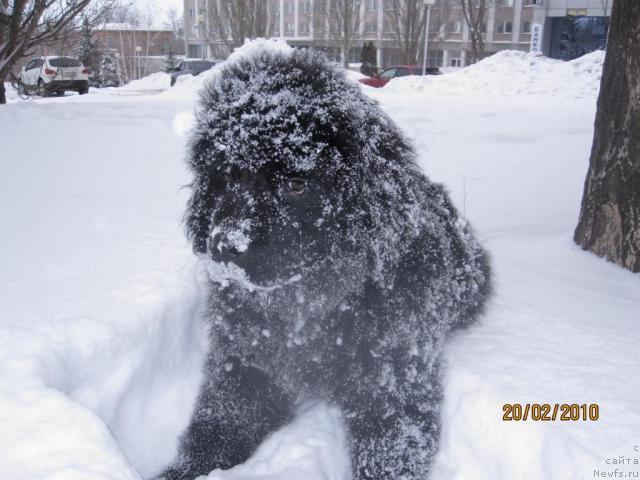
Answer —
394 428
237 408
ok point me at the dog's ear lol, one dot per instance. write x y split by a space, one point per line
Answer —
445 252
197 217
208 184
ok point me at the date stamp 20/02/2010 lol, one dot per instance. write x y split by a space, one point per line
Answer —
546 412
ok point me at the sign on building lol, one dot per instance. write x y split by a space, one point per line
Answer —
536 38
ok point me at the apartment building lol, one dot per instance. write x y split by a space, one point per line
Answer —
561 29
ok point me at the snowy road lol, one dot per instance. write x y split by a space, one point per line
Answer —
100 344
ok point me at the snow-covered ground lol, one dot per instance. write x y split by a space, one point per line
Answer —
100 339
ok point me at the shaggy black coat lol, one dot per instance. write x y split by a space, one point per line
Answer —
338 269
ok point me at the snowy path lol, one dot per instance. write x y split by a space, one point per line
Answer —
100 344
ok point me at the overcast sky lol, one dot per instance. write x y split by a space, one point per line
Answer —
158 8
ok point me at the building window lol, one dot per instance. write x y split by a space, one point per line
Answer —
389 57
289 8
194 51
455 60
372 5
304 6
576 12
504 27
303 27
483 27
454 27
354 55
289 29
275 27
191 12
435 58
387 26
506 3
526 27
532 2
371 27
390 4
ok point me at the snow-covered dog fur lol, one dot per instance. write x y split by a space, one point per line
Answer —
338 269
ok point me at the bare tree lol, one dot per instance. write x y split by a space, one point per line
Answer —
407 21
173 20
474 13
124 13
149 14
26 24
440 14
609 223
234 21
136 36
339 21
605 10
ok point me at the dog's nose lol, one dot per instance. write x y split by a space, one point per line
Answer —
230 239
224 249
228 252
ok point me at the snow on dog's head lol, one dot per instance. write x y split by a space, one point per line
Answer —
297 174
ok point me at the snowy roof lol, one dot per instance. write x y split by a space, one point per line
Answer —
130 26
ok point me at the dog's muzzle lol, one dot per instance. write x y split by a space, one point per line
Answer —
229 239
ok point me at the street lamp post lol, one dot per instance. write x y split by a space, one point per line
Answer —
138 52
427 4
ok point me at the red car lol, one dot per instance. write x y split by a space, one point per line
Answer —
383 77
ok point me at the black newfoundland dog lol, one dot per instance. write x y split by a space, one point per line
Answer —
337 268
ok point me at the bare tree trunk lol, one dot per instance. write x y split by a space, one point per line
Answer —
473 12
345 39
407 21
609 223
339 21
235 21
3 95
124 60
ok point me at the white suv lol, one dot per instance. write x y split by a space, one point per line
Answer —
47 75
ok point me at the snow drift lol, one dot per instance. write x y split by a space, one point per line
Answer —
156 82
514 73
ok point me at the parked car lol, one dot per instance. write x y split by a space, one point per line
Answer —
46 75
397 71
190 67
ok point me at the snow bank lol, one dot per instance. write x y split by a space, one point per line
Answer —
354 76
155 82
514 73
312 447
90 343
187 86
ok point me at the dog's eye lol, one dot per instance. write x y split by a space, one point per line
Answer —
296 186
